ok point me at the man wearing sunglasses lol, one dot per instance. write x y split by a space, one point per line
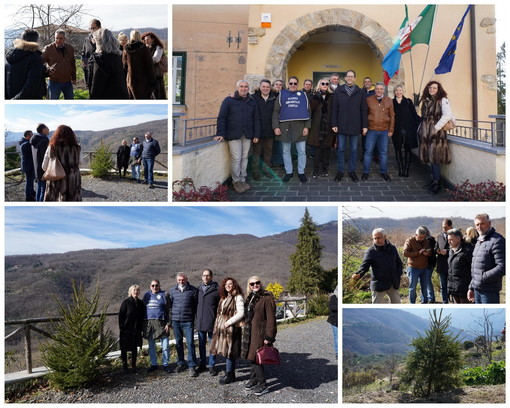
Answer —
291 124
157 324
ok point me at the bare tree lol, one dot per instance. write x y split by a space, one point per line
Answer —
485 334
391 365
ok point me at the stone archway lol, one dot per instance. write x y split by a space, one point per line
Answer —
300 30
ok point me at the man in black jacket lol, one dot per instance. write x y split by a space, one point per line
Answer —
39 143
442 249
27 165
386 266
208 299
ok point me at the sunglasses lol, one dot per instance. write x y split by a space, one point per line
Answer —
324 83
254 283
292 83
154 286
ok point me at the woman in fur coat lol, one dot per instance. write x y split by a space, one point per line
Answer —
435 113
137 61
65 146
131 317
259 330
226 339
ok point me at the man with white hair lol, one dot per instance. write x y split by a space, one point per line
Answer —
386 266
488 264
417 251
239 124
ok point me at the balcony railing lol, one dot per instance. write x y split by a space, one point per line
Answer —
190 131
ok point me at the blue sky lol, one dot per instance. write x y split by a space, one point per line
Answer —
19 118
33 230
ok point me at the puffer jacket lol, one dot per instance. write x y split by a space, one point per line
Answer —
459 271
183 305
381 116
488 265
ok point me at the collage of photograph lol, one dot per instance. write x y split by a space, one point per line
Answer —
236 223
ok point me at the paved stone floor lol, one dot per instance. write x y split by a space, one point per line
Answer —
326 189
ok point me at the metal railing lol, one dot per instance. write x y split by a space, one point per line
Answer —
189 131
491 132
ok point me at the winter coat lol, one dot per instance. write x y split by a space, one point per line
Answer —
333 310
150 148
27 162
386 267
459 271
131 317
206 307
24 71
266 108
68 188
237 117
442 260
39 145
65 68
321 120
88 49
183 305
488 266
227 341
123 156
381 115
412 249
292 130
406 124
141 76
350 113
108 80
432 258
261 323
433 139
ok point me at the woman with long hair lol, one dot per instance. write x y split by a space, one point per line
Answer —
259 330
131 317
159 58
321 134
108 81
64 145
226 339
137 61
435 114
404 135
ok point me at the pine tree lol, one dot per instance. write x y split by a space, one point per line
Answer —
80 342
435 364
102 161
306 272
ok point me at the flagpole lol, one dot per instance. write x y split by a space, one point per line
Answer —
428 47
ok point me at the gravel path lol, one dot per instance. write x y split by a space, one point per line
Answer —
308 374
112 188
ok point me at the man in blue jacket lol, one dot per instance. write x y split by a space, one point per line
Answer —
150 149
183 307
239 124
27 165
386 266
488 264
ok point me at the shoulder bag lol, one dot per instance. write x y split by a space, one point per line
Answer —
53 170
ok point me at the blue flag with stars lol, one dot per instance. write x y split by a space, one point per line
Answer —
446 62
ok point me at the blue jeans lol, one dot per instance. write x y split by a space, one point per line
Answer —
202 343
340 153
135 171
287 157
379 138
416 274
444 287
41 188
427 292
165 350
29 186
486 297
182 329
231 365
56 88
148 170
335 338
435 171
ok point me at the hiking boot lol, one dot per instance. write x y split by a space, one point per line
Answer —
251 384
287 177
302 178
261 389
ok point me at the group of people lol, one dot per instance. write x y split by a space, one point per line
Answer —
234 323
333 115
114 67
37 150
470 266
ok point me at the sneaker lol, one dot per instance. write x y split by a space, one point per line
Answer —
213 371
168 369
302 178
193 372
315 175
261 389
325 174
287 177
251 384
152 368
180 368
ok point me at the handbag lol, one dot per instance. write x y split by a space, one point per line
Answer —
52 167
163 64
268 355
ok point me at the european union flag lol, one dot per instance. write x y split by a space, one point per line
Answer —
446 62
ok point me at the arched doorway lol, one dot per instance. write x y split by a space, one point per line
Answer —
306 45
